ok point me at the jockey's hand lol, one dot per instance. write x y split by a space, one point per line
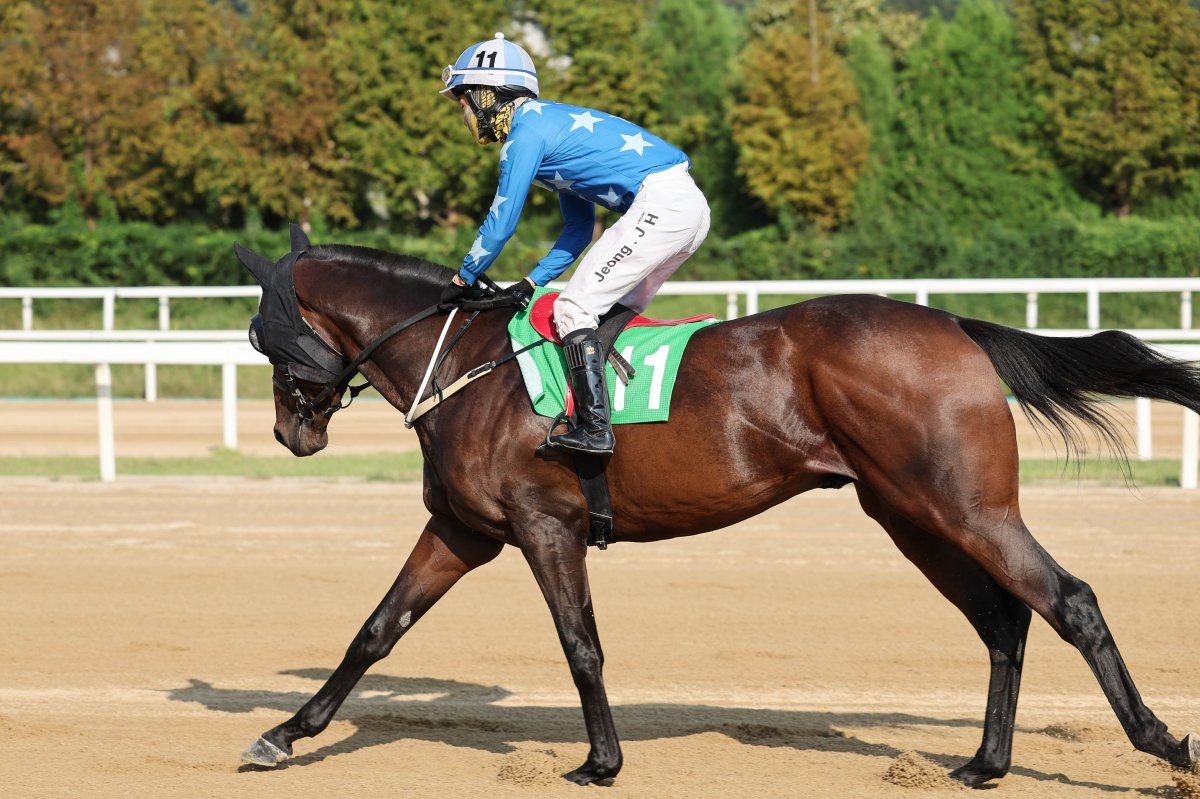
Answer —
521 292
457 291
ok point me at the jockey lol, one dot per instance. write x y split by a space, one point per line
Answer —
589 158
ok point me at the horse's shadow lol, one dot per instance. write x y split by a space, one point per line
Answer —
383 709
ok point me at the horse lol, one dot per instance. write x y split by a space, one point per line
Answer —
902 401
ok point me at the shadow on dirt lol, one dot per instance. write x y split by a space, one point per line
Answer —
383 709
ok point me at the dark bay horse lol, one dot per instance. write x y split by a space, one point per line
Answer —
900 400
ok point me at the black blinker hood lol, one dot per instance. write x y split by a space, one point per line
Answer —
279 331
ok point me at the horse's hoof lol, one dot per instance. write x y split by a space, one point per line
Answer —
264 753
1191 752
975 776
589 774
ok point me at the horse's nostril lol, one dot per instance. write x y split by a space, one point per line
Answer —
279 436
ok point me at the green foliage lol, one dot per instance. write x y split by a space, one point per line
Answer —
954 157
1122 83
800 139
695 42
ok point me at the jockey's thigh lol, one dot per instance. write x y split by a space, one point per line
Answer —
666 223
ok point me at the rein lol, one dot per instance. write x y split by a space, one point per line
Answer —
307 407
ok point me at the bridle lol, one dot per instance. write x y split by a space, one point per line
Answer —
307 407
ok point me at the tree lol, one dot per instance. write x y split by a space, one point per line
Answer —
77 114
1122 84
801 141
695 43
966 144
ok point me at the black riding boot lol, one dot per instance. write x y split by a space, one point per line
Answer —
585 369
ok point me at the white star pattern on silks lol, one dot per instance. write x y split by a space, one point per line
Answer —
477 250
585 120
496 203
532 105
559 183
504 151
612 198
635 142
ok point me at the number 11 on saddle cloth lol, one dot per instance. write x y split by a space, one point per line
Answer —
654 349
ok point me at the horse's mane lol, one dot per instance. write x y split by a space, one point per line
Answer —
407 267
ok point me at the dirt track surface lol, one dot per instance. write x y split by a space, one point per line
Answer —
153 629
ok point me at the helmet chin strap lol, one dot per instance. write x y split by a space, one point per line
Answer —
491 124
478 122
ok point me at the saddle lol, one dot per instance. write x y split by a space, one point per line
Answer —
618 319
590 469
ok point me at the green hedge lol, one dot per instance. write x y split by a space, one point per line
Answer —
73 253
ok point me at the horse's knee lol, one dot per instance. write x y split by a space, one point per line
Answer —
585 658
374 642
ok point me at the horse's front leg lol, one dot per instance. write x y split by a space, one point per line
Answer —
557 557
445 552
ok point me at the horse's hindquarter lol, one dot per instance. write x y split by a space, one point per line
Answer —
807 396
744 434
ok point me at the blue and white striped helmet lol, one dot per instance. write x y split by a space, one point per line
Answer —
497 62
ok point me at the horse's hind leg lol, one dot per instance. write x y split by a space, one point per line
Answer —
997 539
445 552
1012 556
1000 619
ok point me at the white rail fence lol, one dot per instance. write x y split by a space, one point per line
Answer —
230 348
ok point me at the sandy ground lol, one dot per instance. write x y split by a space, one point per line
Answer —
153 628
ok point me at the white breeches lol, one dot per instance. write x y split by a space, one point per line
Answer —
666 223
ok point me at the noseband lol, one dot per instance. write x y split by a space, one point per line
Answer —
307 407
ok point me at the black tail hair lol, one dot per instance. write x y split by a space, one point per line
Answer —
1057 380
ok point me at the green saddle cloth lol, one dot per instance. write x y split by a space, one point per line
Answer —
654 351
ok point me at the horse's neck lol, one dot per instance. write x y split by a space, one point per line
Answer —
353 306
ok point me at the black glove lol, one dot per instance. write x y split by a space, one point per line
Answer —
520 292
454 294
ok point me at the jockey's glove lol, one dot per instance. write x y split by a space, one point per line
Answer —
454 294
520 292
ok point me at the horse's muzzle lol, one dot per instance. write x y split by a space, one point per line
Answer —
301 438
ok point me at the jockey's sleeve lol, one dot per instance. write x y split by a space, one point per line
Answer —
519 161
579 220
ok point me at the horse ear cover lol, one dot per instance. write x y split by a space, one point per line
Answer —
259 266
300 241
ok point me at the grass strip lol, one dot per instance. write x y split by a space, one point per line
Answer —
402 467
405 467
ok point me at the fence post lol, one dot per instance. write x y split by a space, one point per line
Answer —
1031 310
1191 450
104 403
27 313
1185 310
751 300
731 306
1093 308
164 323
110 310
229 404
1144 431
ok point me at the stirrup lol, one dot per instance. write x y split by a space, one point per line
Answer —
548 445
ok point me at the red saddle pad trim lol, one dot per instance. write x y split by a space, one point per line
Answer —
541 316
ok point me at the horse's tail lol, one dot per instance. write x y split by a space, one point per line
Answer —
1056 380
